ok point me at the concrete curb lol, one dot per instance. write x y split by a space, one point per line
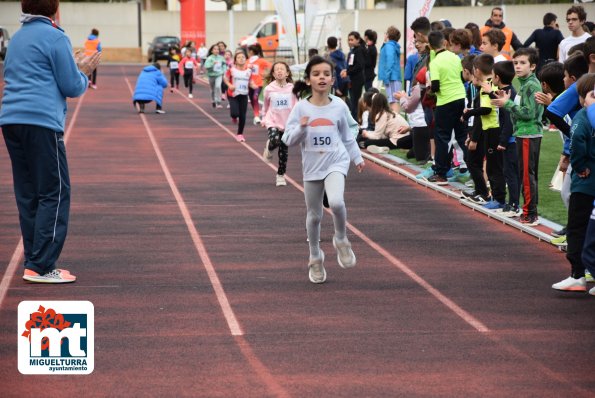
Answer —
453 191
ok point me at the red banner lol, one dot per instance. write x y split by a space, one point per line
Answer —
193 21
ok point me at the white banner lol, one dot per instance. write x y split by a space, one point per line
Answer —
415 9
286 11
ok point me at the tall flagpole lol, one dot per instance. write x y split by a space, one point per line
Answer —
297 38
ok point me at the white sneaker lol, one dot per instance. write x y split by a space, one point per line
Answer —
592 291
267 155
571 284
190 96
345 256
280 180
378 149
256 120
316 271
160 111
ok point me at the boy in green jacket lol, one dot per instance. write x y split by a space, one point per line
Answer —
526 117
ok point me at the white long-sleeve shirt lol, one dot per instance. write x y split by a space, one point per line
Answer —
327 143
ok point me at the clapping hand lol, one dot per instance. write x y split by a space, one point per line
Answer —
502 97
543 98
87 64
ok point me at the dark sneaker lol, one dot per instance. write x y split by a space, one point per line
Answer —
474 197
529 220
558 233
438 180
511 211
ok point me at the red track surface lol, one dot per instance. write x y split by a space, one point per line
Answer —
443 302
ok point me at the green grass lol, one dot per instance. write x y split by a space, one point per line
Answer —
550 204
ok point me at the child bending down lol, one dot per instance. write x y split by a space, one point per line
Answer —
320 125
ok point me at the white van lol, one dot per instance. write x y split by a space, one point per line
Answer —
272 37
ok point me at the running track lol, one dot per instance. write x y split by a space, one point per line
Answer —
196 265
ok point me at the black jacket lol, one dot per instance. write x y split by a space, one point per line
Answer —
356 63
371 59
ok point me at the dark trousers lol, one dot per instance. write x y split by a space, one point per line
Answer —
474 160
448 117
142 103
93 76
355 92
579 211
421 142
188 80
528 156
174 78
238 106
511 173
402 143
588 256
275 142
42 190
254 93
495 164
369 83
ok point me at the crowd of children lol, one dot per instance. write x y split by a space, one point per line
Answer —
458 108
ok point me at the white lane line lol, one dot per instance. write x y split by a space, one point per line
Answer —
451 305
232 322
17 255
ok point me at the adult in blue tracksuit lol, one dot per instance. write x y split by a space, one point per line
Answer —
40 72
149 87
389 65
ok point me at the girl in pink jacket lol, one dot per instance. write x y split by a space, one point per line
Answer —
278 103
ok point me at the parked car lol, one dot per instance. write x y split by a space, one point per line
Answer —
160 46
4 39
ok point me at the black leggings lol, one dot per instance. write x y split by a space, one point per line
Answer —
275 142
402 143
238 106
174 77
188 77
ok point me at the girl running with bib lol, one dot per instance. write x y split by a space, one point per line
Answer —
238 82
173 64
187 66
215 67
279 100
320 124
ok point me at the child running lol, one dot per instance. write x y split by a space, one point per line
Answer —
238 82
320 124
215 66
279 100
187 67
260 68
173 63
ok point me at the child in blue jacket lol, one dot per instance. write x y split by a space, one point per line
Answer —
149 87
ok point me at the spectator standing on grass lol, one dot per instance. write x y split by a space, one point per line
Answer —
446 84
483 71
475 38
460 42
149 87
389 66
40 72
582 188
588 254
356 63
497 21
336 56
526 115
503 75
92 46
370 37
546 40
575 18
560 112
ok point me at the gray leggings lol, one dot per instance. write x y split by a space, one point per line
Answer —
215 83
334 185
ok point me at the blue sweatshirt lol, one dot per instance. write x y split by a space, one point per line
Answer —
150 85
39 74
582 154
